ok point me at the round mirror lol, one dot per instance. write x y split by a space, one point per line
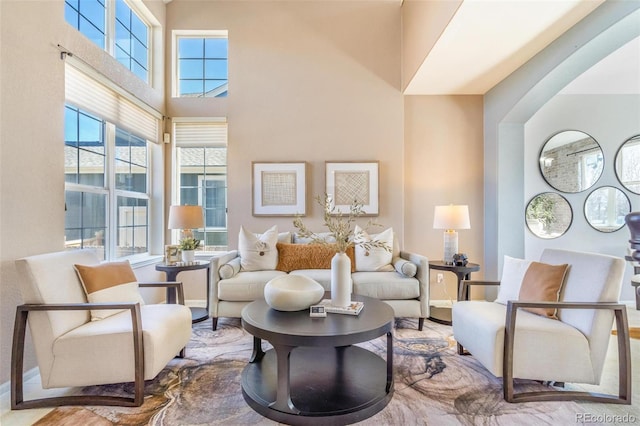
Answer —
628 164
605 209
571 161
548 215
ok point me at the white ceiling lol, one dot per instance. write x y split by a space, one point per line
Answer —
487 40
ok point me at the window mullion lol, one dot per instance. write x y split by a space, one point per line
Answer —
112 205
110 27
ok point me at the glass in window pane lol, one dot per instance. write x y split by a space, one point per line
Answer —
139 29
70 127
123 38
138 179
216 69
191 157
132 225
71 15
216 48
123 175
191 68
91 32
214 88
85 221
123 12
191 88
217 157
72 4
70 164
140 71
139 153
190 48
139 52
91 168
94 12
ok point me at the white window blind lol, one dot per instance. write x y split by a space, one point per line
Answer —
87 93
210 133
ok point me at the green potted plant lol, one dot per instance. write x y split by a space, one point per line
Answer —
541 209
188 246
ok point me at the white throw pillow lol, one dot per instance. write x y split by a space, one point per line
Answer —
229 269
258 253
378 259
513 271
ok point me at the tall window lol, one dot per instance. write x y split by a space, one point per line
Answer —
107 157
114 27
202 65
201 175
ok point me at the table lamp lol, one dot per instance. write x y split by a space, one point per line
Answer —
185 218
451 218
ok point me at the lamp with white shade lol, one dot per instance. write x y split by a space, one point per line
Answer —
450 218
186 218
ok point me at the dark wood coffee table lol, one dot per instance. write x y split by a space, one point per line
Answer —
313 374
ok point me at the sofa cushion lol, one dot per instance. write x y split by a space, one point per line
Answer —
385 285
373 258
322 276
112 282
246 285
542 283
308 256
258 252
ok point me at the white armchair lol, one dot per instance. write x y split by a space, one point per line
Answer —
511 342
71 350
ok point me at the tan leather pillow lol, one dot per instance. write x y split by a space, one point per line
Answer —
112 282
292 257
542 283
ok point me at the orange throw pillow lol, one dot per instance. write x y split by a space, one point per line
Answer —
542 283
292 257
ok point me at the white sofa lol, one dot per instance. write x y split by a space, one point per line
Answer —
408 296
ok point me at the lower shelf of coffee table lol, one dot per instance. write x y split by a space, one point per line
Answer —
339 385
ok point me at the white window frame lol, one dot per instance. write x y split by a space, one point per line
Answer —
175 67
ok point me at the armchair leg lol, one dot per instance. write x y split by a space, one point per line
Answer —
461 350
214 323
182 353
624 369
420 323
17 379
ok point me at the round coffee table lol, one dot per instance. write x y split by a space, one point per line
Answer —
313 374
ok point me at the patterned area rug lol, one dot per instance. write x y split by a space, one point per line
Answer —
433 385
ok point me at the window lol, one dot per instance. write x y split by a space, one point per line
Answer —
202 65
107 174
115 27
201 176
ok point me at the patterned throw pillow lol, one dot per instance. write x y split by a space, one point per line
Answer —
377 258
112 282
292 257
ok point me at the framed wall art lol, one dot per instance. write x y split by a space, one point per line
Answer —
353 181
279 189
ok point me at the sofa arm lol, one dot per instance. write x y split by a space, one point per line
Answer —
422 275
216 262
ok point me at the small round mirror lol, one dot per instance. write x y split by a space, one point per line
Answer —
606 207
571 161
548 215
628 164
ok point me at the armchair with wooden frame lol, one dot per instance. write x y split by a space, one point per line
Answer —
513 343
71 350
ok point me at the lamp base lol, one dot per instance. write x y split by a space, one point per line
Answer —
450 246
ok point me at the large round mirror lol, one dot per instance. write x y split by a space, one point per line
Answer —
628 164
548 215
571 161
605 209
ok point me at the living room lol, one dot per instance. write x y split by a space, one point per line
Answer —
319 81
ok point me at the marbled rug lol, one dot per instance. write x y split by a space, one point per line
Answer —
433 386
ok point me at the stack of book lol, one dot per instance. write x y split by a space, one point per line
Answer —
353 308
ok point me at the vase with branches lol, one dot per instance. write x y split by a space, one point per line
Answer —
341 226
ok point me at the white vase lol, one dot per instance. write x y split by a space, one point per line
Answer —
188 256
340 280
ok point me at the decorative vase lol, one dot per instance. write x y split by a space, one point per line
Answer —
188 256
340 280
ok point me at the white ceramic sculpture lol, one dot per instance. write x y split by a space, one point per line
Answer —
292 292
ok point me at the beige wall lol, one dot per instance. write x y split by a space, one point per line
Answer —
443 165
309 81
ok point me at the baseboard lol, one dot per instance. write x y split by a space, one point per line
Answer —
28 375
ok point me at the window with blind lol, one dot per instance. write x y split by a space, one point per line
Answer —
107 175
201 176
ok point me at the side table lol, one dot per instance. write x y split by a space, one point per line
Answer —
172 271
442 315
